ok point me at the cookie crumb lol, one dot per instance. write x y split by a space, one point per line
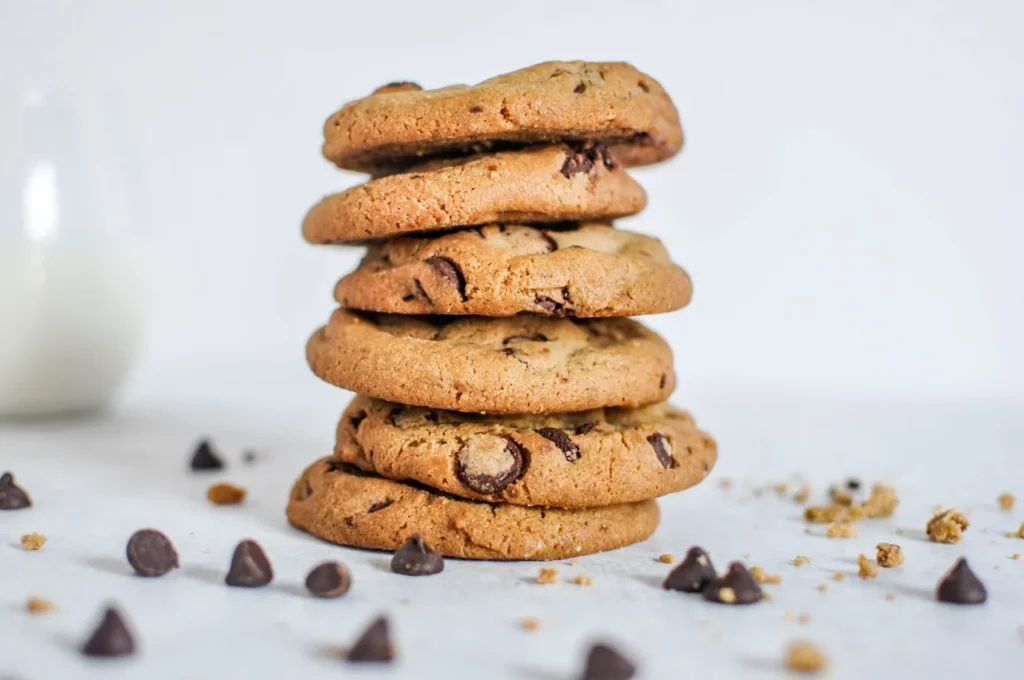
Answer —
822 587
1019 533
547 576
574 561
762 576
803 619
890 596
841 530
866 568
225 494
33 541
781 488
946 527
838 576
582 580
801 560
37 605
530 625
1006 501
840 496
725 483
666 558
802 494
889 555
803 657
1015 556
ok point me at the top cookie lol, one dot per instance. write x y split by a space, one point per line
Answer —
400 124
541 184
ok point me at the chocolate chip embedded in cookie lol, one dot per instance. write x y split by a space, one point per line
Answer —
546 460
543 184
397 126
336 502
581 270
519 364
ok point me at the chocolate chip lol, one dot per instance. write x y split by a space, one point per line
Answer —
662 449
476 109
853 484
536 337
250 567
549 305
420 292
693 574
562 441
579 89
576 163
416 558
205 458
328 580
151 553
604 662
735 586
379 505
961 586
110 638
663 381
356 418
450 272
374 644
508 351
584 428
12 496
488 463
643 86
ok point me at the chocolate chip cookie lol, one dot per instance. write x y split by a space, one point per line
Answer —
583 270
401 124
342 504
519 364
573 460
539 184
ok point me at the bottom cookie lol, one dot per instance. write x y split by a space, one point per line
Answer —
340 503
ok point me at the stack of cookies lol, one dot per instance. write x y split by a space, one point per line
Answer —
506 406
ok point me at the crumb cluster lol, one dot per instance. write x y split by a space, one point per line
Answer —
225 494
1006 501
547 576
801 560
804 657
762 576
946 527
841 530
881 503
889 555
866 568
33 541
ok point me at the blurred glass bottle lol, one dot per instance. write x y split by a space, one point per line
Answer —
74 282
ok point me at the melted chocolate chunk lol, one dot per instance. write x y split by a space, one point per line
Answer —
552 307
374 644
562 441
250 566
12 496
476 109
960 585
663 381
693 574
662 449
580 89
450 272
488 463
110 638
584 428
379 505
416 558
735 586
582 157
328 580
151 553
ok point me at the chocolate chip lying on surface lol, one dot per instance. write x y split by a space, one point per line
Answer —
250 566
562 441
328 580
416 558
151 553
604 662
205 458
110 638
735 586
961 586
450 272
693 574
12 496
374 644
488 463
662 449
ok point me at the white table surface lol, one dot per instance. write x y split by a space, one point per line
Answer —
96 481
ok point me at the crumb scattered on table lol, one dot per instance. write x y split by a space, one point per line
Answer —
881 503
946 527
803 619
582 580
890 596
725 483
840 496
574 561
781 488
841 530
889 555
547 576
666 558
822 587
37 605
801 560
1019 533
762 576
33 541
1015 556
838 576
225 494
802 494
530 625
804 657
866 568
1006 500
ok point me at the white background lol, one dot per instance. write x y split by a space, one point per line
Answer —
848 205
